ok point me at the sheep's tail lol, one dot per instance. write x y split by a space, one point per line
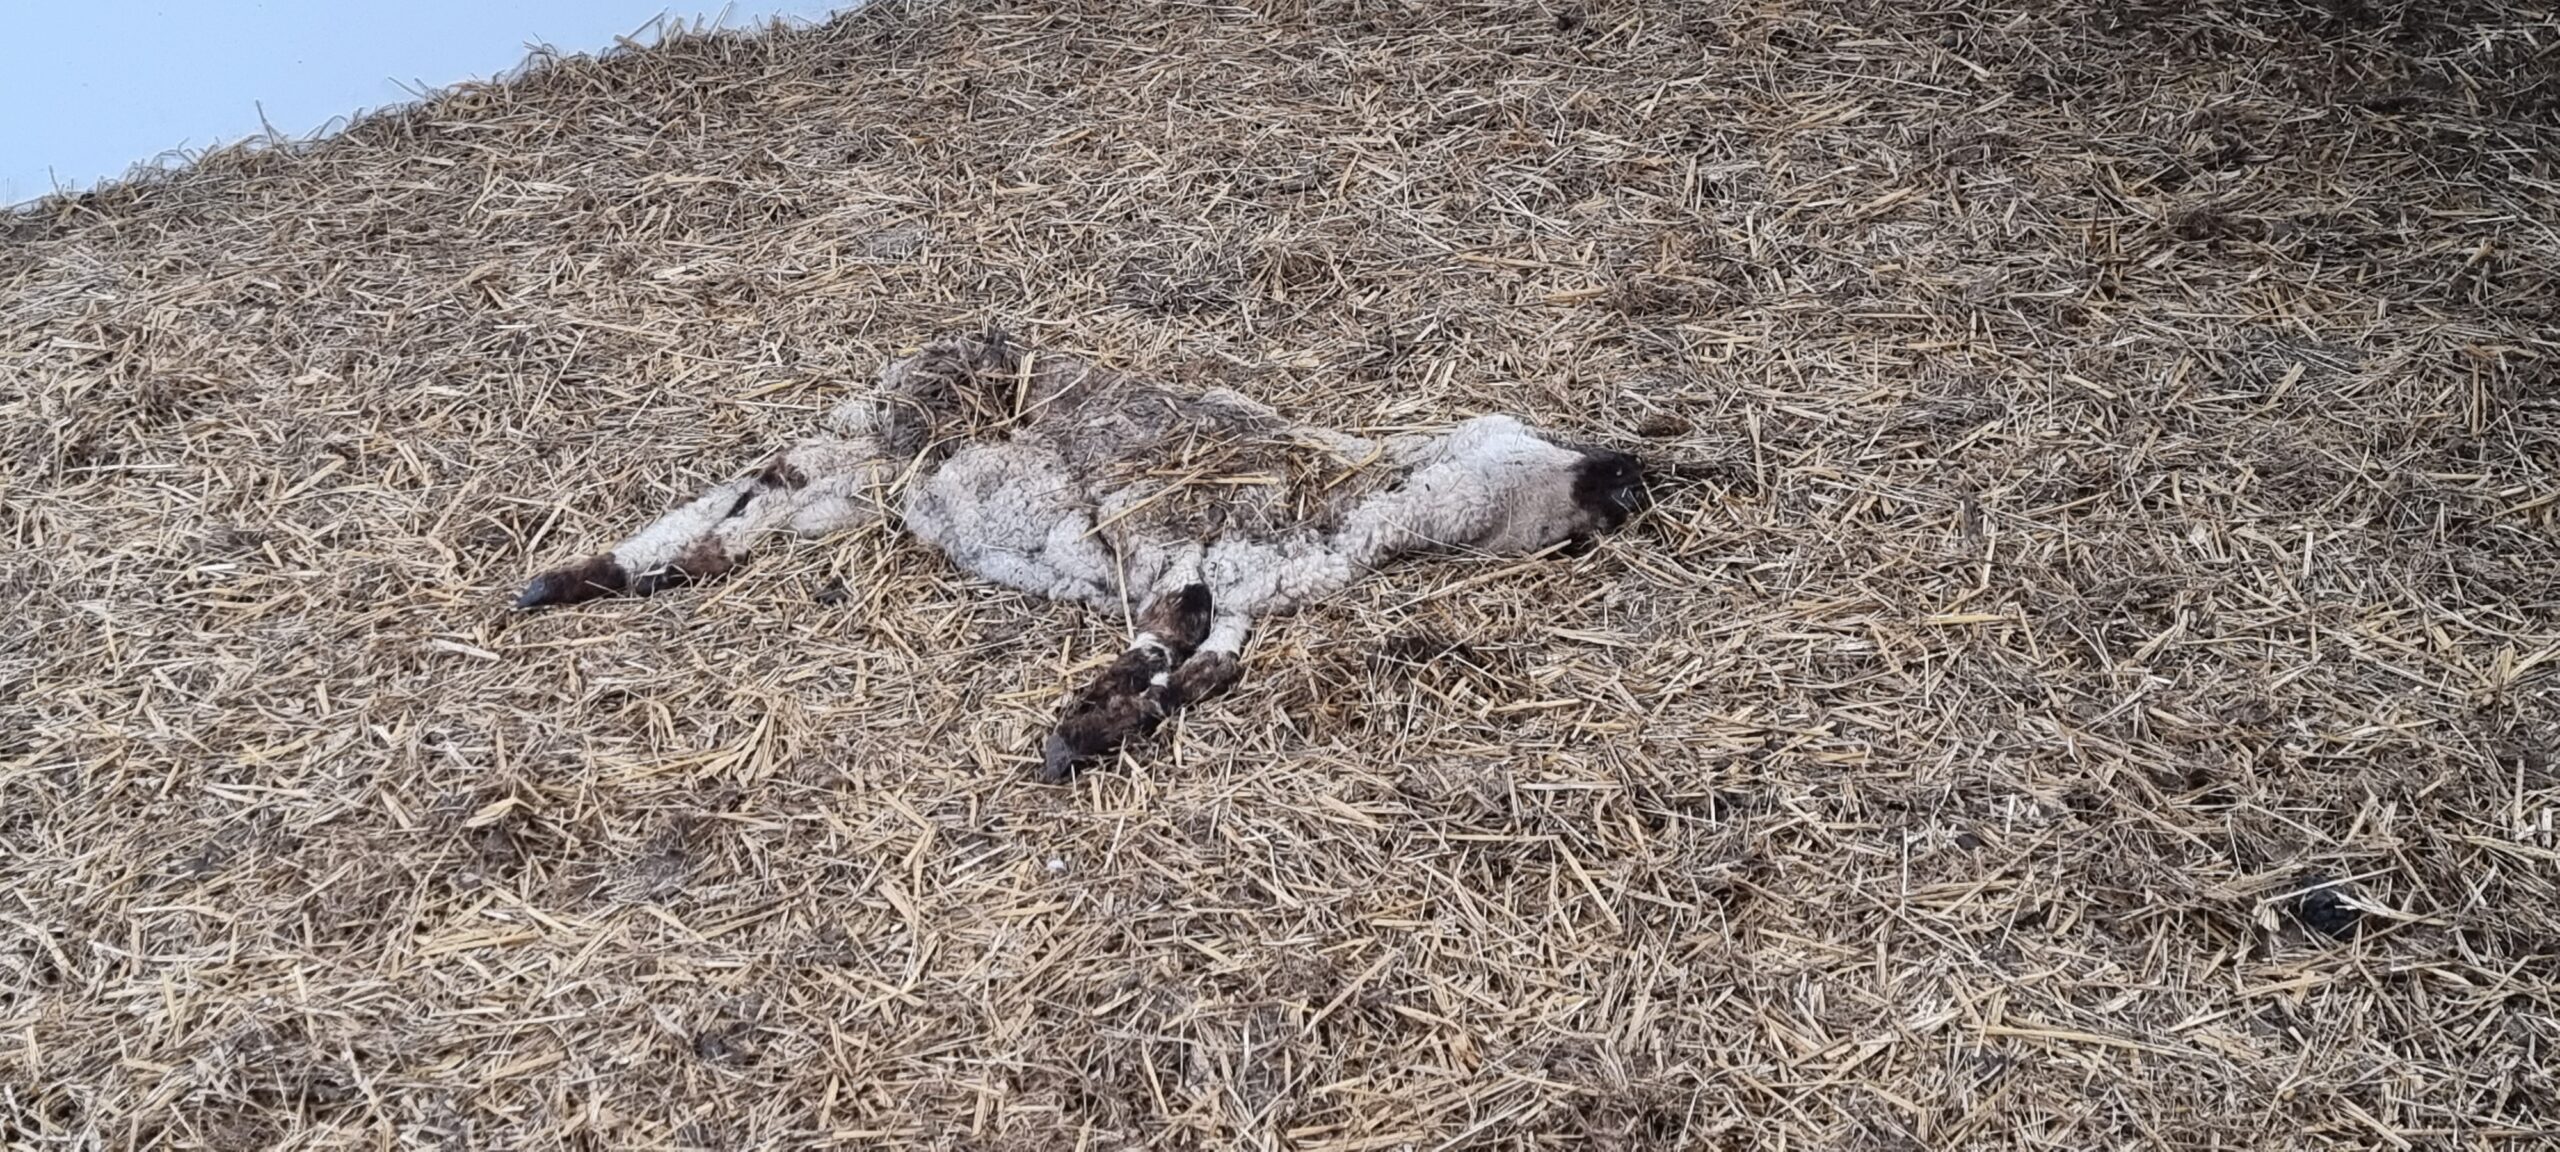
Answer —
813 488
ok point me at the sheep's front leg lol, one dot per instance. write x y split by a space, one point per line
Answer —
1210 672
815 487
1140 688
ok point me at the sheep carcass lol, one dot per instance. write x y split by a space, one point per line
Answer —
1202 510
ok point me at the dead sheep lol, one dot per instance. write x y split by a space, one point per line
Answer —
1204 511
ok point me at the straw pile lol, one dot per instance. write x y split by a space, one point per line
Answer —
2091 683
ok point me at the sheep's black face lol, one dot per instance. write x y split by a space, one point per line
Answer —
1608 487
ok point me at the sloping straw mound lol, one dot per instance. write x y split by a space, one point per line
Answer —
2118 477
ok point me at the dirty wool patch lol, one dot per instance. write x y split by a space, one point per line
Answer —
2089 680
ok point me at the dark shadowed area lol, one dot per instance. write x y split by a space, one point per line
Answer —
2090 681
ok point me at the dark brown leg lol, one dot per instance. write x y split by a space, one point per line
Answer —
1204 676
593 578
1129 698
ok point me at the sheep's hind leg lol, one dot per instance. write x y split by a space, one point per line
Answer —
1138 691
815 487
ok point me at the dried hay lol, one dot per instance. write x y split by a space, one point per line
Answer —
2083 693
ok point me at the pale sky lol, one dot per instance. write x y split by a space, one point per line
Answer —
89 88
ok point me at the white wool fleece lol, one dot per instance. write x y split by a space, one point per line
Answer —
1013 513
1491 485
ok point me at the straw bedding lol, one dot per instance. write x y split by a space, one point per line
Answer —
2088 683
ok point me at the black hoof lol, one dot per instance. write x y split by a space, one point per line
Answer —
593 578
1058 760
